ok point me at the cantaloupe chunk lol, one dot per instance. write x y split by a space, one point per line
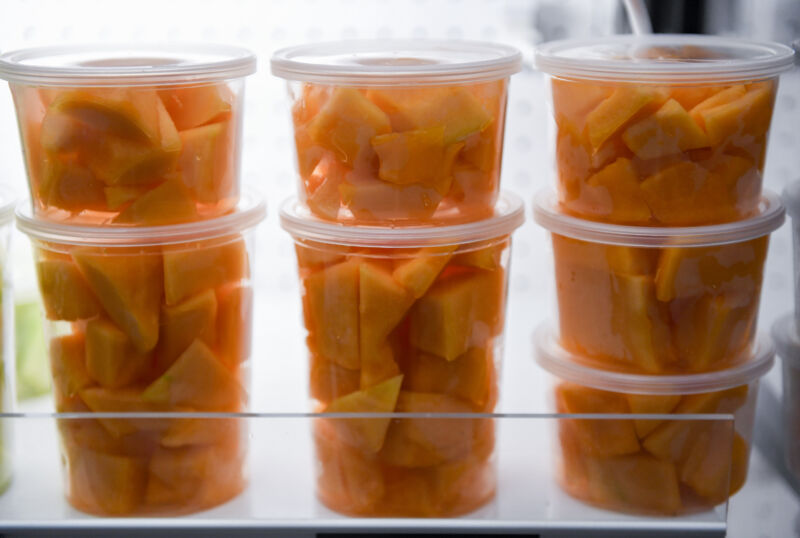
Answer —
602 437
311 98
614 259
234 323
480 153
329 381
68 365
192 106
467 377
124 400
614 193
105 484
366 434
382 304
206 161
65 293
691 96
418 156
199 380
111 358
572 101
377 365
669 131
400 450
332 311
636 482
314 255
750 114
650 404
169 203
181 324
129 286
369 199
68 185
323 197
119 195
183 432
712 466
483 257
725 96
418 272
453 107
457 313
195 267
346 124
615 111
308 152
678 193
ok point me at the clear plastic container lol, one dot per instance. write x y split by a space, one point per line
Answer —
405 321
398 131
130 136
658 300
651 464
787 342
661 130
791 197
8 396
149 320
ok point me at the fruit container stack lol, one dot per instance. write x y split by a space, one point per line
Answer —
659 229
403 241
7 356
143 246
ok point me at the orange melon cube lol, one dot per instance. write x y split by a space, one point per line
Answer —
168 203
712 466
678 193
365 434
346 124
183 432
181 324
192 268
615 192
418 272
191 107
371 199
111 358
323 185
206 161
725 96
65 293
313 255
573 101
650 404
615 111
483 257
329 381
400 450
669 131
119 195
332 304
68 365
129 287
750 114
382 304
377 364
234 323
68 185
308 152
467 377
124 400
105 484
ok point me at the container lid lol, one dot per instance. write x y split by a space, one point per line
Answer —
296 219
791 197
126 65
663 58
567 366
546 212
386 62
249 212
787 341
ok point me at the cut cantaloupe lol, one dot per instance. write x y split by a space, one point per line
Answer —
418 272
714 461
129 286
599 436
366 434
193 106
676 194
124 400
467 377
68 365
68 185
483 257
382 304
419 156
346 124
614 192
119 195
181 324
323 196
377 365
169 203
615 111
369 199
669 131
457 313
105 484
333 312
111 358
234 323
195 267
202 431
728 95
650 404
206 161
750 114
572 101
329 381
314 255
65 293
199 380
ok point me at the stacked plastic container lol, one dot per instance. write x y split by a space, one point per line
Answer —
143 247
403 240
659 229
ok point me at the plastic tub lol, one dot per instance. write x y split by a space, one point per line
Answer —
652 465
658 300
398 131
149 320
791 197
8 396
787 342
662 130
130 135
406 321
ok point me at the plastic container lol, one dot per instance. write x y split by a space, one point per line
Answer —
787 343
661 130
406 132
791 197
652 465
8 396
130 135
407 321
152 319
658 300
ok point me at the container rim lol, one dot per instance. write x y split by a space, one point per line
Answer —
787 340
770 217
126 64
551 356
389 62
301 224
615 58
250 210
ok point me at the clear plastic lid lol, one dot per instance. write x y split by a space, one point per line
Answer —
509 214
567 366
248 213
388 62
126 65
787 341
660 58
547 213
